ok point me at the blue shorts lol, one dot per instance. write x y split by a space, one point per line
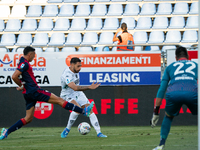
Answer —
39 95
175 100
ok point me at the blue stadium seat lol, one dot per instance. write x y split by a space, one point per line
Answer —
85 49
152 48
166 47
192 22
140 37
144 23
86 1
138 48
148 9
106 38
131 9
40 39
82 10
13 25
173 36
34 11
3 50
52 49
130 21
114 49
39 1
134 0
181 8
55 1
4 11
2 25
111 24
160 23
29 25
57 39
177 22
150 0
8 39
38 49
18 11
156 37
90 38
94 24
194 8
102 48
66 10
190 36
102 0
99 10
73 38
50 11
78 24
45 24
115 9
24 39
164 9
62 24
117 0
68 49
71 1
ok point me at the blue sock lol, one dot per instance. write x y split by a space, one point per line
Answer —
70 106
17 125
165 128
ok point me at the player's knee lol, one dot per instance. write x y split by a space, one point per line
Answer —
28 119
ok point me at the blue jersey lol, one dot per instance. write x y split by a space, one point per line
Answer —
181 75
28 78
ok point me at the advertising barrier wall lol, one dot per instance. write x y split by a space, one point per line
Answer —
109 68
114 106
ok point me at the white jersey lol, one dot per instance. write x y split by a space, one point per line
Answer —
69 94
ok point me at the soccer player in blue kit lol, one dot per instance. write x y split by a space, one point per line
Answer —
33 93
180 80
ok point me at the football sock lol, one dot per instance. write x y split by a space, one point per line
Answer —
17 125
95 123
70 106
72 118
165 128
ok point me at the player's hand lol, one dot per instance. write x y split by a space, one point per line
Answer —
94 85
119 30
154 120
20 88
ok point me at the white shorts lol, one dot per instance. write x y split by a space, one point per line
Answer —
81 99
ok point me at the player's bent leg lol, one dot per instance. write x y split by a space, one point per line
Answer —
69 106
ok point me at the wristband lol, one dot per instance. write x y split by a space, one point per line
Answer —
156 110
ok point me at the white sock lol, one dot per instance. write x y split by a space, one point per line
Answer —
95 123
72 118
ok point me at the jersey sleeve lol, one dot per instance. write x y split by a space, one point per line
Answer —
23 67
68 79
164 83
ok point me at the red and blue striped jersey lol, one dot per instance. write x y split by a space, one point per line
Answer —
28 79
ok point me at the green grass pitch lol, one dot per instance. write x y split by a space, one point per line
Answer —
119 138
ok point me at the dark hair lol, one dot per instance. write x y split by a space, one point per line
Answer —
74 60
124 26
28 49
181 52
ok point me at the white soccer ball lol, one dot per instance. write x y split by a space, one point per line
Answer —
84 128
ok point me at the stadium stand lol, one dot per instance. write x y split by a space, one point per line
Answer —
102 48
8 39
51 49
68 49
74 18
24 39
85 49
57 39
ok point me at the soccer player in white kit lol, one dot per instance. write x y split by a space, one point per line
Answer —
72 92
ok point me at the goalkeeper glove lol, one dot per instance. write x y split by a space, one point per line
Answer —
155 117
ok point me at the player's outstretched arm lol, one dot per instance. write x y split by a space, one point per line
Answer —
155 117
15 78
75 87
